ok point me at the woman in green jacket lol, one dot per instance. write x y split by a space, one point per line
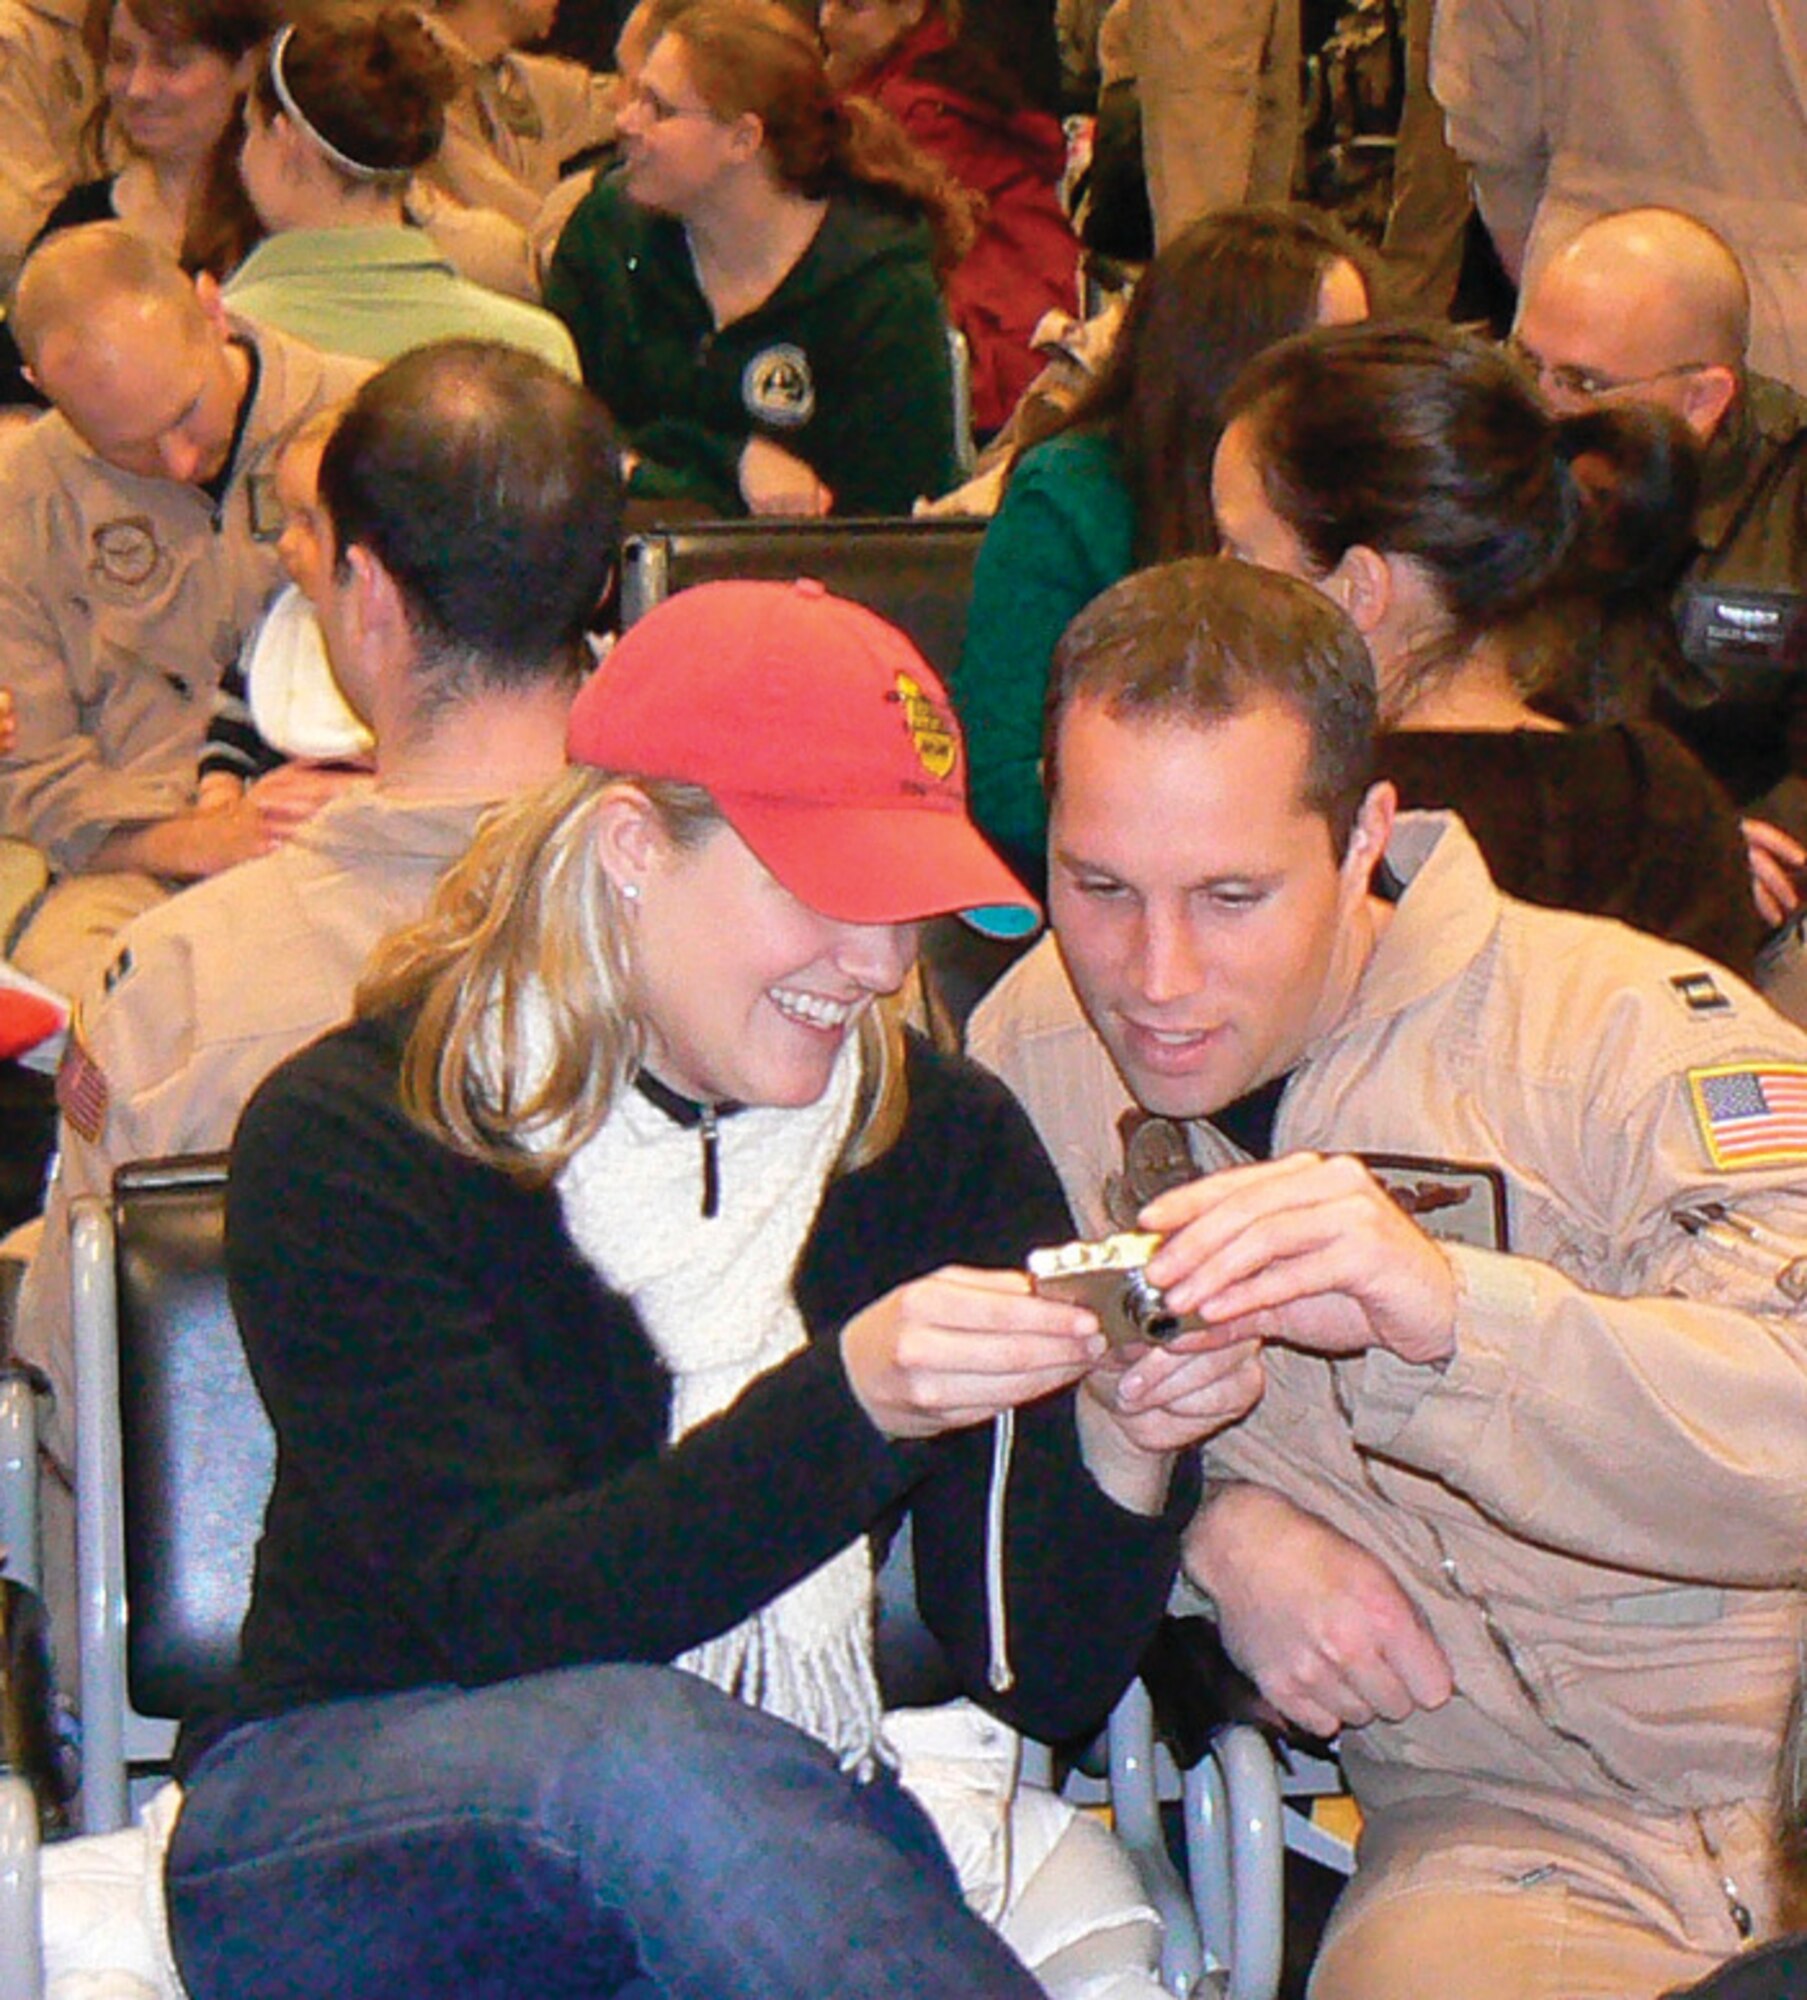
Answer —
754 295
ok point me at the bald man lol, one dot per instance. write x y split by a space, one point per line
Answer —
1570 109
137 546
1651 306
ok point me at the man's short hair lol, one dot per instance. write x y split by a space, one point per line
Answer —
488 485
1203 639
78 273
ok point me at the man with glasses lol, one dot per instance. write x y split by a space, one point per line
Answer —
1650 306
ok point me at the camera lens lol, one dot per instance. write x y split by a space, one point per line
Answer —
1148 1309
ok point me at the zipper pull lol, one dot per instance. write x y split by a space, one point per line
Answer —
712 1165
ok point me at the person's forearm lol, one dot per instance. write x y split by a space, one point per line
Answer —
184 848
1136 1479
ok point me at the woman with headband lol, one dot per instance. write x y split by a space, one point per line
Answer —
346 108
615 1282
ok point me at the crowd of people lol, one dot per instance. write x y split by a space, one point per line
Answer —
1400 730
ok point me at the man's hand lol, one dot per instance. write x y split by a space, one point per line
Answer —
775 481
188 846
1775 860
1306 1250
958 1346
1135 1411
1319 1624
289 796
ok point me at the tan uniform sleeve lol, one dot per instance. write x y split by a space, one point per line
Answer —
1658 1431
1491 61
45 92
137 1030
55 791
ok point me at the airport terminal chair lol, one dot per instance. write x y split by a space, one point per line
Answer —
174 1459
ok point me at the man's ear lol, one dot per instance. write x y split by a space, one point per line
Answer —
1369 836
1362 583
1707 394
207 290
378 611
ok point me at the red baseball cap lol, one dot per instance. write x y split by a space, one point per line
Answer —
821 733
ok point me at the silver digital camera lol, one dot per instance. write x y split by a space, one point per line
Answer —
1108 1276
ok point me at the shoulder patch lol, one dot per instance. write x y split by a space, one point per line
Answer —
1752 1114
1699 992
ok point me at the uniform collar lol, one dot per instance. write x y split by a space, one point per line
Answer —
1447 911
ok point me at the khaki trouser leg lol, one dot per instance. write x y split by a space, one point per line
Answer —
1219 87
1488 1903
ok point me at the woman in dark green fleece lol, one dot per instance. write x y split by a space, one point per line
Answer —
754 296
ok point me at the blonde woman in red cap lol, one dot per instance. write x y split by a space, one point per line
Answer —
611 1282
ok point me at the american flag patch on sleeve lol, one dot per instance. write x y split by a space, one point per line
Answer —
82 1093
1752 1115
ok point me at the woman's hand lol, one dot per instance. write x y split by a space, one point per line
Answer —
954 1348
775 481
1135 1411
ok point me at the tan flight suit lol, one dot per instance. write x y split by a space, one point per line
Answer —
207 993
1219 87
47 90
1568 109
1598 1504
122 600
511 129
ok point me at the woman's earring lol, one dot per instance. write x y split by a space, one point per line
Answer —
631 891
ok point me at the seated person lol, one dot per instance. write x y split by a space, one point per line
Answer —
474 490
1412 477
1512 1201
689 1276
345 107
239 750
523 127
1126 477
754 295
47 91
136 549
1650 306
961 104
172 80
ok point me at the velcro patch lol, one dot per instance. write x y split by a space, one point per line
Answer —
1455 1201
1699 992
1752 1114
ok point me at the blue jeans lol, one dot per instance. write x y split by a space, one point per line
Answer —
597 1831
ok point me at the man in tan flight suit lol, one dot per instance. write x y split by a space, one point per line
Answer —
1509 1207
137 546
468 522
47 90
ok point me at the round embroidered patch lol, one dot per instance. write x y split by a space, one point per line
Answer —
777 387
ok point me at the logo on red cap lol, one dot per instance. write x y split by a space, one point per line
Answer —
931 728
